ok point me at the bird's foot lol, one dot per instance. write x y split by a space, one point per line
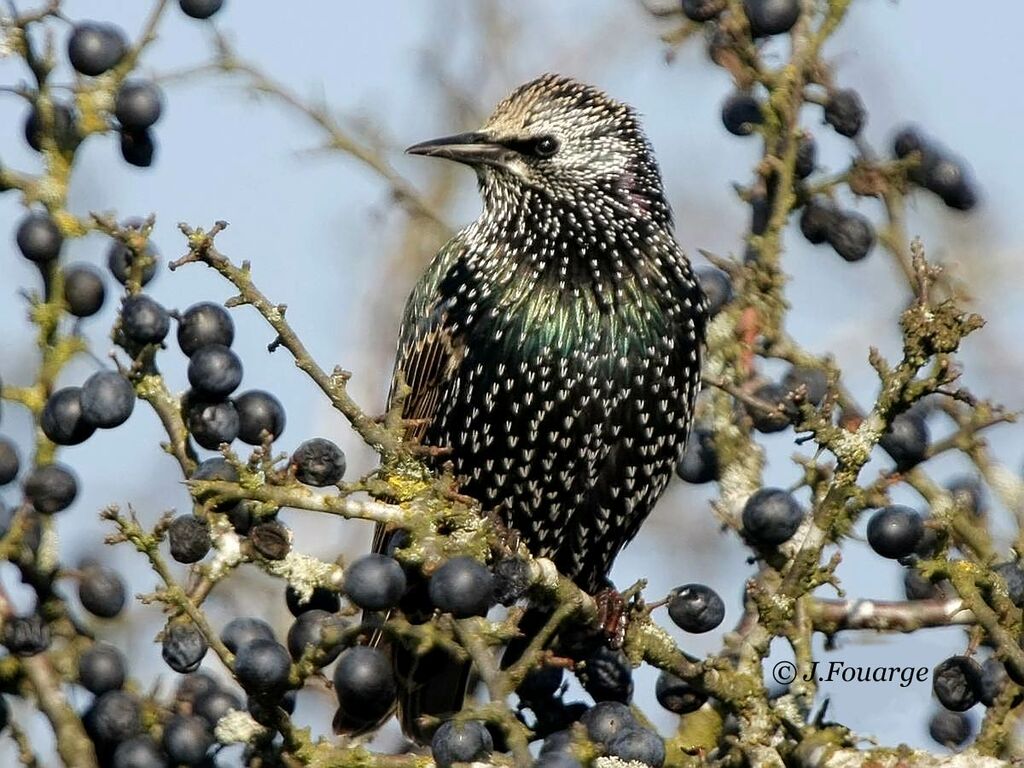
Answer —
611 616
508 537
428 451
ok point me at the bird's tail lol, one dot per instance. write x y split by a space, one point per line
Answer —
532 621
432 688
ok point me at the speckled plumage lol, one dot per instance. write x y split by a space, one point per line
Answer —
554 343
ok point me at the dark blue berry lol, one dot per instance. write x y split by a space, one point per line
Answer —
242 630
968 493
462 587
895 531
917 587
139 752
138 105
259 412
639 745
183 647
845 112
265 709
607 675
771 516
741 112
307 632
25 635
364 683
606 720
262 667
62 420
200 9
63 127
83 290
114 717
212 706
107 399
813 380
696 608
219 468
189 538
93 47
778 418
993 680
204 324
700 459
210 422
318 462
214 371
949 178
771 17
101 590
51 488
460 743
187 739
322 599
851 235
816 219
38 237
540 685
676 695
143 320
806 156
717 287
956 683
272 539
138 148
906 440
950 729
702 10
1012 573
101 668
121 259
908 139
375 582
193 686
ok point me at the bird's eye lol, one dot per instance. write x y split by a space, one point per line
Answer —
545 146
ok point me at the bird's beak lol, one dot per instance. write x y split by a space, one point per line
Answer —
474 148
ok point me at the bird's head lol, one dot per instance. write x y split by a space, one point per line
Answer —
564 139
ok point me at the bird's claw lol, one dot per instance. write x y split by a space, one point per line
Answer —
611 616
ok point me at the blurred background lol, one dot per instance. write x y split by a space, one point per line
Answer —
326 237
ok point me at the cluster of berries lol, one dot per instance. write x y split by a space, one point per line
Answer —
849 233
94 49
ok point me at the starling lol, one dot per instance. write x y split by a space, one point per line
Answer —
554 344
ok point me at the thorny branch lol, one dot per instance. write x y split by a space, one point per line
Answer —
333 384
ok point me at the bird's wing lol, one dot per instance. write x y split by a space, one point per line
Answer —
429 344
428 357
430 348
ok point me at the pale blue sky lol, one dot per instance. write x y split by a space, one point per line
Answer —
318 230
